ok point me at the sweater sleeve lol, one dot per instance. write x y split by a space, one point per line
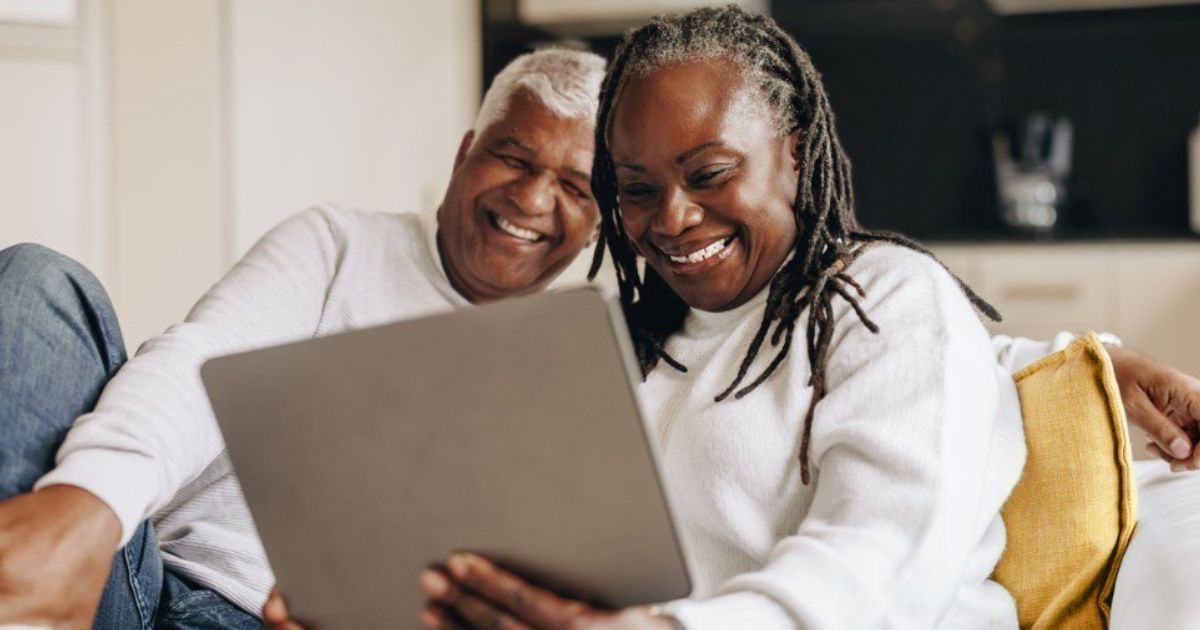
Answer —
1014 353
900 456
152 430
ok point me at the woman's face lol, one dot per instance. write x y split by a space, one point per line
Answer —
704 184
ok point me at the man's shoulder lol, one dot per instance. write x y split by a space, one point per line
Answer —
347 221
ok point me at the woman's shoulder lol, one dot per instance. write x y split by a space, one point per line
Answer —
890 268
905 288
916 304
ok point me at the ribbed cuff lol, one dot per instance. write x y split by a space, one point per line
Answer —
122 480
736 610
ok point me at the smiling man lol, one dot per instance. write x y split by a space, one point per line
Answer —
519 208
141 466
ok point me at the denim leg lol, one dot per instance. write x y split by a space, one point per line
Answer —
59 346
132 594
187 606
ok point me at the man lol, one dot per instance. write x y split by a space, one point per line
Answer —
516 212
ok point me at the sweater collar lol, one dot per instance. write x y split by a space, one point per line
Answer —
707 323
429 225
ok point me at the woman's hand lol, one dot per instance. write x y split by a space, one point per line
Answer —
1163 402
473 594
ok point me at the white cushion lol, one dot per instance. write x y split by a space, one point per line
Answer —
1157 583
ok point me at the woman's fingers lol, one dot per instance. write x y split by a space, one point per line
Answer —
477 611
488 597
436 618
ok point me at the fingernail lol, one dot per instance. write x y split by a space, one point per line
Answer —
429 618
1180 448
434 584
1176 467
459 565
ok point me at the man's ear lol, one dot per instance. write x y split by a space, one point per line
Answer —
463 147
594 237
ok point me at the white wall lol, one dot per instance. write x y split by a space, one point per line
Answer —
155 141
165 223
44 128
360 103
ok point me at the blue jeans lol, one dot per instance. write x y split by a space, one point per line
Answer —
59 346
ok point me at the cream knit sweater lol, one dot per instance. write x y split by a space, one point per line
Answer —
914 449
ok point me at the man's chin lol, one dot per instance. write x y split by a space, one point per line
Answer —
499 286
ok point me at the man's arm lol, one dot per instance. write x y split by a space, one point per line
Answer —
152 431
1158 399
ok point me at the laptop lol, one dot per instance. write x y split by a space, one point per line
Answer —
511 430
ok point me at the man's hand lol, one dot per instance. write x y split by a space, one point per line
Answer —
56 551
275 614
473 593
1163 402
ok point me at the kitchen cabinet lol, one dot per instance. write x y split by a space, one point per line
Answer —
1146 293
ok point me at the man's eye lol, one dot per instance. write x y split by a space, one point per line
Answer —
512 162
575 190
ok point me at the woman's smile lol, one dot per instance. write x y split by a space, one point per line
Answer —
689 260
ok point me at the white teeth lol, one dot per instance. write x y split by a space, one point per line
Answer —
518 232
703 254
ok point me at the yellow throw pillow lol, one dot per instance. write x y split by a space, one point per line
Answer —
1074 510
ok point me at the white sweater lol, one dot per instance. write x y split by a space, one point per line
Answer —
152 448
914 450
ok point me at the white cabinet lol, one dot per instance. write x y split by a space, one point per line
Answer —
1040 291
1156 302
1146 293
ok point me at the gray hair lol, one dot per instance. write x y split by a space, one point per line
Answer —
709 34
566 81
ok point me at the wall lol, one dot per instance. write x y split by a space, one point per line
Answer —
360 103
156 141
165 221
45 128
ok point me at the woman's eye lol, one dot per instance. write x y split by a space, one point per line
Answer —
709 176
637 191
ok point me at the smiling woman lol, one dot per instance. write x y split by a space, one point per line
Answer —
851 481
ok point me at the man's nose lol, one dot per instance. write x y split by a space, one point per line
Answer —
676 213
535 193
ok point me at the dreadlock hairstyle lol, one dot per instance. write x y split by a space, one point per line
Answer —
829 237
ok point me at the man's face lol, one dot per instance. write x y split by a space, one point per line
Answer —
519 205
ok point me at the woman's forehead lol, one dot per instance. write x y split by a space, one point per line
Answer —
684 104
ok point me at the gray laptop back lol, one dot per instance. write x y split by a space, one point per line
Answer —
510 429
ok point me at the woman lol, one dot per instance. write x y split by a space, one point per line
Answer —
853 480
